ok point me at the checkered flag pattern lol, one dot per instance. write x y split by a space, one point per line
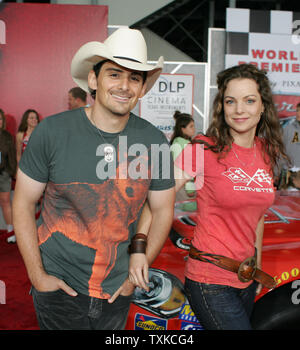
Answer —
241 22
262 176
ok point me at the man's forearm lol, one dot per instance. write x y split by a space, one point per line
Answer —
156 220
27 240
158 233
145 220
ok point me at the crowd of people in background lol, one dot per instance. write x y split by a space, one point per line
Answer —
11 150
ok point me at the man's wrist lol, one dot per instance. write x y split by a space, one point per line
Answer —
138 244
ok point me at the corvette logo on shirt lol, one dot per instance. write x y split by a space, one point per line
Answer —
259 178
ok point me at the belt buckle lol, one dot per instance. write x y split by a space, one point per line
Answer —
247 269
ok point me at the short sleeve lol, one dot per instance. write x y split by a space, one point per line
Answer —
162 167
36 157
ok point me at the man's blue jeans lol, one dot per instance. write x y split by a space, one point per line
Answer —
221 307
58 310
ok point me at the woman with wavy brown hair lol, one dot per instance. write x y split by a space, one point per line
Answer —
241 147
268 127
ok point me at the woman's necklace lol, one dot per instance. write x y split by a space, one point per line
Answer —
246 164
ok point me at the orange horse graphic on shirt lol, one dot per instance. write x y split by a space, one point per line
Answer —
104 213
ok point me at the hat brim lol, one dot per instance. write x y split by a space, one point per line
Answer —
93 52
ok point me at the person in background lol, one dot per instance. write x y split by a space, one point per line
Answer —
290 179
29 121
291 139
77 98
8 166
241 147
184 131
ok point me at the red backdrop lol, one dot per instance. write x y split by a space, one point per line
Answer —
37 43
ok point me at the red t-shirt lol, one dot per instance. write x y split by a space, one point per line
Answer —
236 192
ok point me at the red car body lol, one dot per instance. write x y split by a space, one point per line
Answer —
165 307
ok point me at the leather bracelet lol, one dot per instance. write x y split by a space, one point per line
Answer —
138 244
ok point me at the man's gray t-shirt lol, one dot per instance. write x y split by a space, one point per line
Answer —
94 195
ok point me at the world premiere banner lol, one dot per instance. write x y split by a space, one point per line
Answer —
268 39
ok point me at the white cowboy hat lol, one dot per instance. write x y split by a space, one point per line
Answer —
125 46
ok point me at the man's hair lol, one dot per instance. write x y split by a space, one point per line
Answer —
97 68
298 105
77 92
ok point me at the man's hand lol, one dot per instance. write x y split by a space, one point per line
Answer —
126 289
138 276
138 270
49 283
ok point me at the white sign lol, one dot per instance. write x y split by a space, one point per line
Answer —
269 40
171 92
276 54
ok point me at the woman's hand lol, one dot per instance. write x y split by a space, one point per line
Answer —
258 288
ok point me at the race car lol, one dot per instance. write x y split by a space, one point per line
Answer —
165 306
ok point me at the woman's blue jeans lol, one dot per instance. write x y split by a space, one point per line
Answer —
58 310
221 307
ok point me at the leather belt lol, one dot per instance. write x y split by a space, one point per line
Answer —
246 270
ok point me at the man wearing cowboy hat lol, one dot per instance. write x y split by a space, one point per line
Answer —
97 168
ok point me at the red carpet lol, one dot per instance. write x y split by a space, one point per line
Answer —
18 312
